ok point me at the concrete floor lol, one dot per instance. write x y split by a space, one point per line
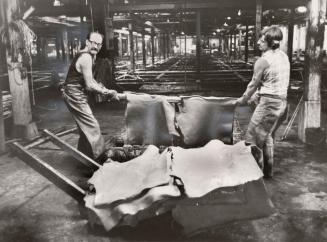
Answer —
33 209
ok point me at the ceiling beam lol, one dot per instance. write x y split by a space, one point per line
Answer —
175 6
219 4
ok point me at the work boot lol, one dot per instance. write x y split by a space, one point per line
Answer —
258 156
268 160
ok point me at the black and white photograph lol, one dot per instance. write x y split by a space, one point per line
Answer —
163 120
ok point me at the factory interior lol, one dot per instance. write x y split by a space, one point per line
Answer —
176 50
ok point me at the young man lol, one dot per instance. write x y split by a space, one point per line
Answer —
268 89
79 82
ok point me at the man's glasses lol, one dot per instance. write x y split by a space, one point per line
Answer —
95 43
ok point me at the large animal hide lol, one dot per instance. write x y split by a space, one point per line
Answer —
203 119
117 181
130 212
149 120
152 120
212 166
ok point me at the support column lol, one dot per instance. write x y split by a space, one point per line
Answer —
235 52
159 45
198 41
290 37
137 47
298 52
258 17
82 34
120 45
2 126
143 51
209 45
17 75
164 45
169 44
109 52
2 50
58 46
71 46
310 113
131 48
185 46
246 54
152 47
64 46
230 46
128 44
240 44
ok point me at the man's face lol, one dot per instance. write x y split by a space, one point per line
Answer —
262 44
94 43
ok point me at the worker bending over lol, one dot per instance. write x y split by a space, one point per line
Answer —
78 84
268 89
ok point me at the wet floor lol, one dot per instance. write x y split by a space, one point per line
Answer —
33 209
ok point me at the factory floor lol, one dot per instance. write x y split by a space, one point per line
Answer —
33 209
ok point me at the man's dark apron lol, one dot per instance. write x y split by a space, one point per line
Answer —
91 142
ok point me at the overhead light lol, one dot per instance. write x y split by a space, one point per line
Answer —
214 33
239 12
57 3
126 1
168 20
182 33
229 18
301 9
217 30
273 17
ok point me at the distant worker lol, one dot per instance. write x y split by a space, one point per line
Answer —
78 83
268 89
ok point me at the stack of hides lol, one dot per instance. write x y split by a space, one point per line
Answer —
195 121
200 187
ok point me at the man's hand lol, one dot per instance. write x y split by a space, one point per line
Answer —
112 94
122 96
108 92
241 101
254 100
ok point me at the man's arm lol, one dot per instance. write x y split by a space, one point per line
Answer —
85 64
259 67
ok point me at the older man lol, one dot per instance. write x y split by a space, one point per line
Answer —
78 83
268 88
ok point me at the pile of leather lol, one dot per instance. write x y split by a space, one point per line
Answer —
200 187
